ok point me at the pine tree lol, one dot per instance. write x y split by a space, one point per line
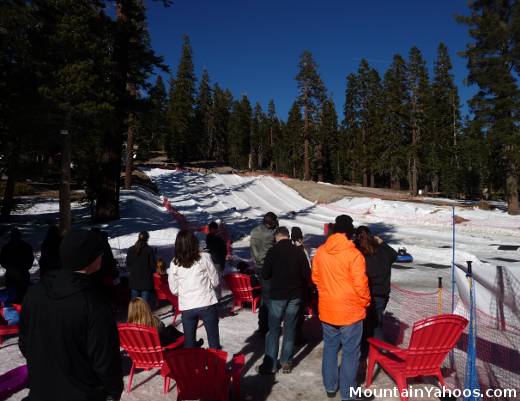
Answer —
441 148
222 103
395 122
153 127
273 130
418 86
311 96
291 153
204 128
327 141
239 139
181 142
494 65
351 128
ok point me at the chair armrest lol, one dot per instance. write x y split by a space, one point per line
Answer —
178 343
258 287
237 364
377 343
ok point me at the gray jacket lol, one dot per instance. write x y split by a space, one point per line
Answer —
262 239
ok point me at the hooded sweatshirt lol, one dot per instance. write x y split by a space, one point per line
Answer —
69 337
338 270
262 239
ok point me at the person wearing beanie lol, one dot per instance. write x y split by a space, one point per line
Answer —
338 270
262 239
68 333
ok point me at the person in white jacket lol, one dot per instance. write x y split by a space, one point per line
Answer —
193 277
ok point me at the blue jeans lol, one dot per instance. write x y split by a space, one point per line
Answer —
209 317
285 310
349 337
148 296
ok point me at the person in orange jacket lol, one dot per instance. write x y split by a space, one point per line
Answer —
338 270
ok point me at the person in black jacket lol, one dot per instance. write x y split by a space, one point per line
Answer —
17 257
216 246
50 251
67 331
140 262
379 258
288 270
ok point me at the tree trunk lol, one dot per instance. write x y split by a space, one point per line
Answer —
414 176
372 180
8 200
395 182
353 176
65 210
365 177
319 162
512 190
130 141
435 183
107 203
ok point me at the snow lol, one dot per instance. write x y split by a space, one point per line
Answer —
240 201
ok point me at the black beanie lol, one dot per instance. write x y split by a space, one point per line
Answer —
344 225
80 248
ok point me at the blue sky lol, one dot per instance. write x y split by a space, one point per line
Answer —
253 46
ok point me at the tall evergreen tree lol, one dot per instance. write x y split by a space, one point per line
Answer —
239 139
222 104
494 65
351 127
395 122
181 141
418 85
273 128
153 127
204 125
291 153
311 97
441 148
327 139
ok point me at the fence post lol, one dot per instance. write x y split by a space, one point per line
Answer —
471 377
439 296
453 283
500 300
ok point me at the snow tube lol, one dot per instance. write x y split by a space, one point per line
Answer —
13 381
403 256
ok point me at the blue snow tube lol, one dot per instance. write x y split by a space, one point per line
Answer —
403 256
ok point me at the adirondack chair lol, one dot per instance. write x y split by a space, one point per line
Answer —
6 330
162 290
431 340
143 346
203 374
13 381
243 291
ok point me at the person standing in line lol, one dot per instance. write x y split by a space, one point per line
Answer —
194 278
68 333
288 270
262 239
141 265
379 258
17 257
297 240
216 246
338 270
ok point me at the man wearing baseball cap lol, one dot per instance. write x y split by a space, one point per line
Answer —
67 331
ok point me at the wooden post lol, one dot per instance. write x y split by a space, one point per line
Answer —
65 212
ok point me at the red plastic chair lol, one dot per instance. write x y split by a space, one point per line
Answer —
431 340
162 290
6 330
143 346
204 374
243 291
